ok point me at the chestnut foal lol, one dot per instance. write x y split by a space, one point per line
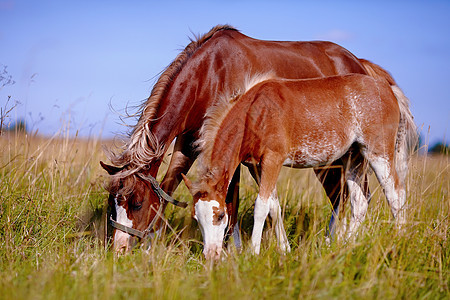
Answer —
301 124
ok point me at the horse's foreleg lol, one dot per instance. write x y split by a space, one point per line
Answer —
332 180
232 202
182 159
270 168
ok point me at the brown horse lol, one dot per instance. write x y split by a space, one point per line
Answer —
213 64
301 124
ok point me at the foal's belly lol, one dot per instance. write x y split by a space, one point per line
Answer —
314 154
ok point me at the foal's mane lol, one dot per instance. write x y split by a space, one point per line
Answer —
142 146
214 118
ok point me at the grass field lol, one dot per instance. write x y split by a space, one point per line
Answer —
52 226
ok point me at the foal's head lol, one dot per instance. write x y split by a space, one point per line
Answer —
210 212
134 204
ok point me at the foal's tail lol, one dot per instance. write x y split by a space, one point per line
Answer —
407 131
407 136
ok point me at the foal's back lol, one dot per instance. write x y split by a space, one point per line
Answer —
315 121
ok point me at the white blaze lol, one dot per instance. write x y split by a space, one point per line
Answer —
213 234
121 238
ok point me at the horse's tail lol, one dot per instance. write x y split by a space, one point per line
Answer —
407 131
376 71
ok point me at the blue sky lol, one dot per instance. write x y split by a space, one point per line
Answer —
71 59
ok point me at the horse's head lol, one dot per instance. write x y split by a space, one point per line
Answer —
135 205
210 212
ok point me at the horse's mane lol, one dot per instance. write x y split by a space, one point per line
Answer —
214 118
142 146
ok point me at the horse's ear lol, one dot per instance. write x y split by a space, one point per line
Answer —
110 169
187 182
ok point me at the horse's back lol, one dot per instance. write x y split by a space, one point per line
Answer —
288 59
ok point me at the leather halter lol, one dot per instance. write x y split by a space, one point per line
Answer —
162 197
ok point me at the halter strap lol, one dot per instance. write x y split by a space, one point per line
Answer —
127 229
135 232
162 196
160 192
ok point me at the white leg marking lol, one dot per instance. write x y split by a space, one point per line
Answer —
213 232
396 198
260 215
275 214
359 205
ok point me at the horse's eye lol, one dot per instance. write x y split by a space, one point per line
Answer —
136 206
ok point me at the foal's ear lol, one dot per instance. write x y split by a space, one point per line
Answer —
110 169
187 182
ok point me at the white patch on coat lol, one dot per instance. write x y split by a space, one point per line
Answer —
213 234
121 239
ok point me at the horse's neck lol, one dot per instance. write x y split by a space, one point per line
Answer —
195 87
181 109
152 170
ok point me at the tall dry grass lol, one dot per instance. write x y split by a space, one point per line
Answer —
51 234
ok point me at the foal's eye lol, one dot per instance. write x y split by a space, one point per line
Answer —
220 217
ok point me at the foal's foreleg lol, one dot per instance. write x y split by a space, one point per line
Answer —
275 214
274 210
265 202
